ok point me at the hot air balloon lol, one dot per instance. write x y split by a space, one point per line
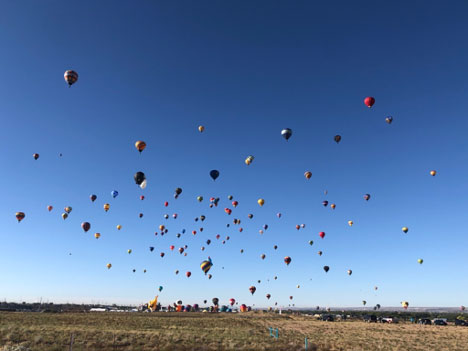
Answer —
70 77
268 296
129 251
119 227
376 287
320 253
64 215
333 206
86 226
261 202
20 216
36 156
151 248
263 256
462 308
235 203
49 208
177 191
242 251
350 272
188 274
206 265
350 223
181 250
162 254
286 133
420 261
68 209
287 260
298 226
166 216
366 197
114 193
369 101
250 215
232 301
252 289
364 302
311 242
215 301
106 207
108 266
93 197
140 215
322 234
278 215
325 203
97 235
201 129
243 308
326 269
389 119
404 229
160 288
433 173
200 198
140 145
139 178
214 174
337 138
405 305
308 174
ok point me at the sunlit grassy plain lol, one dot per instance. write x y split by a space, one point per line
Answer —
222 331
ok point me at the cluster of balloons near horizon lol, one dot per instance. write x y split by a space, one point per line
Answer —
71 77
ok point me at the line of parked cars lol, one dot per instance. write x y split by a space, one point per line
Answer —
374 319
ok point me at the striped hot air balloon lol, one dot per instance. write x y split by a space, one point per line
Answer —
206 265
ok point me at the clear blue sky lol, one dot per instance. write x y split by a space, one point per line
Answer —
155 71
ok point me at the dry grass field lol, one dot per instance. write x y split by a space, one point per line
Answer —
204 331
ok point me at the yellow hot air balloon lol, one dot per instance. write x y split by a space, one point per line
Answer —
161 227
201 129
261 202
350 223
140 145
405 229
119 227
420 261
97 235
129 251
108 266
106 207
433 173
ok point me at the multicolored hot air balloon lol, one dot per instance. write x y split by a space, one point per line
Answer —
106 207
86 226
389 119
93 197
140 145
350 272
70 77
252 289
109 265
49 208
287 260
20 216
201 129
36 156
308 174
420 261
114 193
97 235
206 265
249 160
405 230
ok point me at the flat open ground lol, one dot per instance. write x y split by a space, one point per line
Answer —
222 331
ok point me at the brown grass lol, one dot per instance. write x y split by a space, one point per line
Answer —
205 331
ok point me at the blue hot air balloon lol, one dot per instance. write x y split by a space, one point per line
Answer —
114 193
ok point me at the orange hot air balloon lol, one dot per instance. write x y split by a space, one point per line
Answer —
287 260
109 265
188 274
50 208
433 173
140 145
106 207
97 235
333 206
201 129
369 101
261 202
161 227
308 174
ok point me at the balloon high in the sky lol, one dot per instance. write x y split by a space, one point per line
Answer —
369 101
70 77
404 229
201 129
93 197
206 265
106 207
389 119
337 138
252 289
139 178
287 260
433 173
367 197
86 226
214 174
249 160
286 133
36 156
140 145
322 234
20 216
261 202
326 269
114 193
308 174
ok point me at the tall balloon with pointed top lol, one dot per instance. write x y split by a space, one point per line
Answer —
93 197
140 146
252 289
287 260
70 77
369 101
326 269
214 174
286 133
49 208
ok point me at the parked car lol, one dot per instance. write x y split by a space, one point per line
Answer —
439 322
370 319
327 318
424 321
389 320
461 322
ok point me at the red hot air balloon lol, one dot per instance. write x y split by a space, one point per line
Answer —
235 203
50 208
142 197
268 296
369 101
166 204
86 226
287 260
172 247
188 274
162 254
232 302
322 234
